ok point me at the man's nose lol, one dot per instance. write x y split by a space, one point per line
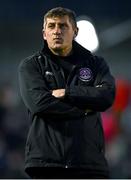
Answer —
57 30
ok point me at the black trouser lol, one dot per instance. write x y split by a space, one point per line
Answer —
64 173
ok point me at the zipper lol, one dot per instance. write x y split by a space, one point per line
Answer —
70 75
66 123
63 75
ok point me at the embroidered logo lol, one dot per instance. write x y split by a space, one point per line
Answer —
85 74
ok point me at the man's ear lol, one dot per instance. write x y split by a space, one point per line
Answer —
44 34
76 32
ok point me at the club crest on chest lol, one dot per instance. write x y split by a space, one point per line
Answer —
85 74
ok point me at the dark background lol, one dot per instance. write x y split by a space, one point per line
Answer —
20 36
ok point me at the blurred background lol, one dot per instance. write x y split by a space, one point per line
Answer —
20 36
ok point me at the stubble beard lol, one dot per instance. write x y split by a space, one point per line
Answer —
58 50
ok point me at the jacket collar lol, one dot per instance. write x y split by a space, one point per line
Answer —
77 48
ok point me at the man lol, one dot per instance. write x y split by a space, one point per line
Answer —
64 88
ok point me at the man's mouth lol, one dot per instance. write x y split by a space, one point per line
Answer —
58 40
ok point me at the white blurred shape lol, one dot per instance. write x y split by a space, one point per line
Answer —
87 36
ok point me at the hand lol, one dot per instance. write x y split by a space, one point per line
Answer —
58 93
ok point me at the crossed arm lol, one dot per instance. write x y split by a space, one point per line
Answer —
39 99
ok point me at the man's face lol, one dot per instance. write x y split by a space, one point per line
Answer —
59 33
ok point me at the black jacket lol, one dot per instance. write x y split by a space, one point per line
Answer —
63 133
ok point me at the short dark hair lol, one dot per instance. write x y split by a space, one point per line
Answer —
60 12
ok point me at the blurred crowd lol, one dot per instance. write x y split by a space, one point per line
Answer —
117 129
13 131
14 127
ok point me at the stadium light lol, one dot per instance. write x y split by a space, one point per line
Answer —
87 35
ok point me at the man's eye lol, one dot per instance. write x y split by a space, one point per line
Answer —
51 26
63 26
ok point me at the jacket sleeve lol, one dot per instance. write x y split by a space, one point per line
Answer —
98 97
37 97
